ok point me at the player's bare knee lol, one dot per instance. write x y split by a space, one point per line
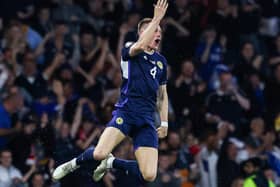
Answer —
99 154
149 176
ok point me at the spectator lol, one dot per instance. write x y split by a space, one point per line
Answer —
38 180
165 176
43 24
9 175
30 79
250 62
223 101
257 127
207 158
249 23
225 19
188 92
255 176
21 145
227 168
69 12
237 182
255 90
208 53
11 104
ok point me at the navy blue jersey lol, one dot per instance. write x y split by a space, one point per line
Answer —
142 76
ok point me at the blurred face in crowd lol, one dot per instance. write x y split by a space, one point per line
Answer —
174 140
255 80
225 81
87 40
237 183
232 151
38 180
248 51
210 35
68 90
257 127
15 32
6 159
269 174
163 145
212 142
66 74
87 126
29 128
64 130
270 138
29 64
61 29
156 39
164 162
15 102
187 69
44 15
249 168
96 7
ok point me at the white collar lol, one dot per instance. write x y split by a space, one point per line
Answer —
150 53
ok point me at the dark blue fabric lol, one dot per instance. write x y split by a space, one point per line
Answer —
5 123
142 76
85 157
139 127
274 163
130 167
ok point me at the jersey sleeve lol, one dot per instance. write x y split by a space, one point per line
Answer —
163 79
125 51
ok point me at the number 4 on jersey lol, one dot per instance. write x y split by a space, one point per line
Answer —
153 72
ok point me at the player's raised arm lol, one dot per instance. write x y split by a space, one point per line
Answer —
146 35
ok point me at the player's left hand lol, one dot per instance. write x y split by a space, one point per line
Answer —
162 132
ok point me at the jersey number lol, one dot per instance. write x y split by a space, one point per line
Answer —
153 72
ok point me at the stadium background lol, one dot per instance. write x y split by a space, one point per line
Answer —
59 80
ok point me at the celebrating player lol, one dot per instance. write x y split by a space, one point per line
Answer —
144 73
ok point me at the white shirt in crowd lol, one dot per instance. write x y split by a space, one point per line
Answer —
208 168
7 175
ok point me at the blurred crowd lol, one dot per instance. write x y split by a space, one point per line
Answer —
60 78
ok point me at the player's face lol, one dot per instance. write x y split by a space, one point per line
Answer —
156 39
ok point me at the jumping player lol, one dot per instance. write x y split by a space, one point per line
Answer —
144 73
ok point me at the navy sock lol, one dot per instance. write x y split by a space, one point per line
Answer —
130 167
86 157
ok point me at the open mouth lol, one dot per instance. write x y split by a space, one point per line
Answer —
158 41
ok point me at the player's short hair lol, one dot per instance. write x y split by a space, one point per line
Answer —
143 22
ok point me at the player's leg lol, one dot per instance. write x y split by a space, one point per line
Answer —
147 164
145 143
145 168
108 140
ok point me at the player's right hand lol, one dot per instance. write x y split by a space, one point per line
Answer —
160 9
162 131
